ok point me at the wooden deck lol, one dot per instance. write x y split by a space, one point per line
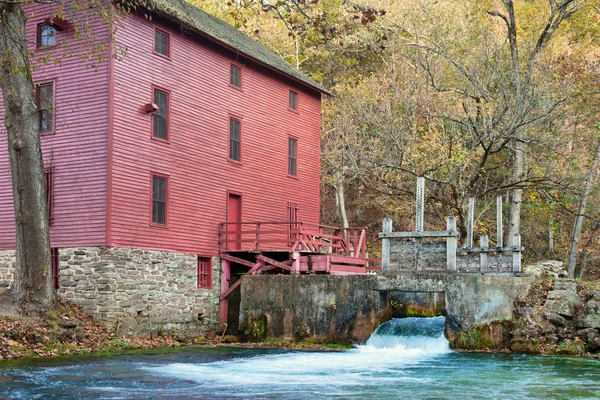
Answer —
289 247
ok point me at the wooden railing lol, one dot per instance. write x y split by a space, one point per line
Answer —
292 236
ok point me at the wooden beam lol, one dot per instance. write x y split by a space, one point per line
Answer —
274 262
237 260
425 234
231 289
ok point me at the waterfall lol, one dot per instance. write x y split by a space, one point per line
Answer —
409 335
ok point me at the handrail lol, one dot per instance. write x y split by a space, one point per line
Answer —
292 236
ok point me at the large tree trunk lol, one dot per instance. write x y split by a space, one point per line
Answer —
32 287
589 182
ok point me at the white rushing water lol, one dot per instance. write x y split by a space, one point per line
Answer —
396 344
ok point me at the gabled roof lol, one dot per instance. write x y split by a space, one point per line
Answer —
229 36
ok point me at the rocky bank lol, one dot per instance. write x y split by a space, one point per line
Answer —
557 316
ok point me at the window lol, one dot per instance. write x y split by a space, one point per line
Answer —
46 36
159 200
235 76
55 269
160 116
45 106
292 156
234 139
204 272
293 101
161 42
49 181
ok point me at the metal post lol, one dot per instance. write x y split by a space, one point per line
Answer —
385 245
470 218
420 204
451 244
499 221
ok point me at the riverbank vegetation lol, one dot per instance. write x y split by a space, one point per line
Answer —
66 330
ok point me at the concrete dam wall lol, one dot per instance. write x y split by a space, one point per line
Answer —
348 308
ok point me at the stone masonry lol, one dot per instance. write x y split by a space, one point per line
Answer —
7 268
136 292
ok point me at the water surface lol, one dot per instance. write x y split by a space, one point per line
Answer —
406 358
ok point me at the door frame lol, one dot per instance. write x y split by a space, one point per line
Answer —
231 193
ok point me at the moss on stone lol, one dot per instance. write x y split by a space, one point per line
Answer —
483 337
257 329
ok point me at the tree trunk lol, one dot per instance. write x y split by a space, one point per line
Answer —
551 250
32 287
516 194
341 198
589 182
587 254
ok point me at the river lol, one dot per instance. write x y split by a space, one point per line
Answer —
407 358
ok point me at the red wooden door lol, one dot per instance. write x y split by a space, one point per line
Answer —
234 214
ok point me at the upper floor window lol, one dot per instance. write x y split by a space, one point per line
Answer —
162 42
293 101
234 139
159 200
235 76
204 272
292 156
46 35
45 106
161 115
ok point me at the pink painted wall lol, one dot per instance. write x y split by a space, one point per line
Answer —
196 157
77 150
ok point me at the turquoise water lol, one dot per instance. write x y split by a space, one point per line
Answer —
406 358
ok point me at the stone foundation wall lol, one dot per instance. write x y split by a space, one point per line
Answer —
7 268
137 292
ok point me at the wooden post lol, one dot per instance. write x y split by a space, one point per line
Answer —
499 221
451 244
516 255
224 304
470 220
420 204
483 256
385 245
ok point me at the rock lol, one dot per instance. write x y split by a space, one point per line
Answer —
556 319
591 337
547 267
561 307
68 324
569 295
565 284
590 315
564 298
521 345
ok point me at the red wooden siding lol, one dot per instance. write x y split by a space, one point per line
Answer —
76 150
197 74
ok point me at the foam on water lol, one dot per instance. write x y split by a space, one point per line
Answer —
395 345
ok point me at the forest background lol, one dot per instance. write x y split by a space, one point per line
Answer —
428 88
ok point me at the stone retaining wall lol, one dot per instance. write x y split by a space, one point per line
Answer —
7 268
134 291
